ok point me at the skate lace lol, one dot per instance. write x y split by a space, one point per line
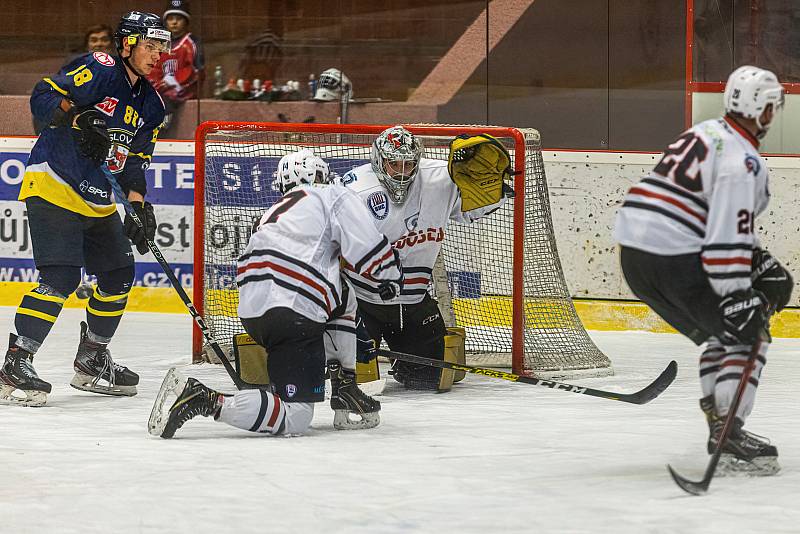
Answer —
110 368
26 366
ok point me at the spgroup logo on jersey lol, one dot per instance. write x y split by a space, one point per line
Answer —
378 203
752 165
411 222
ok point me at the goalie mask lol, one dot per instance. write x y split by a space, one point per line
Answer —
395 159
333 85
748 93
301 167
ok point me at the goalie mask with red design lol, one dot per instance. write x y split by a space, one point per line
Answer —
395 157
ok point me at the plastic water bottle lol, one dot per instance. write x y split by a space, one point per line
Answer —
219 84
312 86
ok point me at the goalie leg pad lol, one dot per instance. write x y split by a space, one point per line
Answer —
250 360
454 350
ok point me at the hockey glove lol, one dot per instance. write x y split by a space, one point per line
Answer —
390 289
744 317
140 236
478 165
93 140
772 279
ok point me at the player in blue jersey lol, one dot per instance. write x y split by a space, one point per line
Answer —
100 110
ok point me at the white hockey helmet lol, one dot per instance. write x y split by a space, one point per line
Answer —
332 85
395 156
748 92
301 167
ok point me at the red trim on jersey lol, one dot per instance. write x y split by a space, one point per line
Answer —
276 410
378 261
416 281
731 363
744 133
288 272
738 260
670 200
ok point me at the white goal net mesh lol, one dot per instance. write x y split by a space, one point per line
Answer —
499 278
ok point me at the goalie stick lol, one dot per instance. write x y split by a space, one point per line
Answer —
701 487
198 319
643 396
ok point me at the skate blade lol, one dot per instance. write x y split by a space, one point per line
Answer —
87 383
11 396
173 383
342 420
731 466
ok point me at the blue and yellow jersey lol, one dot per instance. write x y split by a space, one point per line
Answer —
56 171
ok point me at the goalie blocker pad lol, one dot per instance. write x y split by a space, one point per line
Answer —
478 165
250 360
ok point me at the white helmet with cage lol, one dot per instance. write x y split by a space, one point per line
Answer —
750 90
395 156
301 167
333 85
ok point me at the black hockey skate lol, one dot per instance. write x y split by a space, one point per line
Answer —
18 375
743 452
95 371
195 399
347 398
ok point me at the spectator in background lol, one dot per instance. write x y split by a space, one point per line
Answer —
178 75
98 38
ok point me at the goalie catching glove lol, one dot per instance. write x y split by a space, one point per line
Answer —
478 166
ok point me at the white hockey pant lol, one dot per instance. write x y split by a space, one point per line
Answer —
258 410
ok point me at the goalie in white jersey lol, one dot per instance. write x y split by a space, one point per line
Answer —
294 301
689 250
411 199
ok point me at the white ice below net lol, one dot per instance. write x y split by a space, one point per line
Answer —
456 462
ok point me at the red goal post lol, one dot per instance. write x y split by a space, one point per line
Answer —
495 268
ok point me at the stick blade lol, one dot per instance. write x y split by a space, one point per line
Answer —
693 488
656 387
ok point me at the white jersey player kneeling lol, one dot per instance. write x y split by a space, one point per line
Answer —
294 302
689 250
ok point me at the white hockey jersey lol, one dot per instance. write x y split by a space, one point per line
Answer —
292 259
416 227
703 196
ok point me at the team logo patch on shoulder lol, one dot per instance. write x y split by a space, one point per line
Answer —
291 390
378 204
752 165
103 59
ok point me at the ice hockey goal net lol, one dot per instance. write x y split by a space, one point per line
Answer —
500 278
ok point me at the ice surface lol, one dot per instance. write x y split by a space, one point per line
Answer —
490 456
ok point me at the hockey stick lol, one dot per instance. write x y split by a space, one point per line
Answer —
643 396
701 487
198 319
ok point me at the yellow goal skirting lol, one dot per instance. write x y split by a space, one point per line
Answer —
488 311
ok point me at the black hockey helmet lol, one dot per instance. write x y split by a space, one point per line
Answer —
136 24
